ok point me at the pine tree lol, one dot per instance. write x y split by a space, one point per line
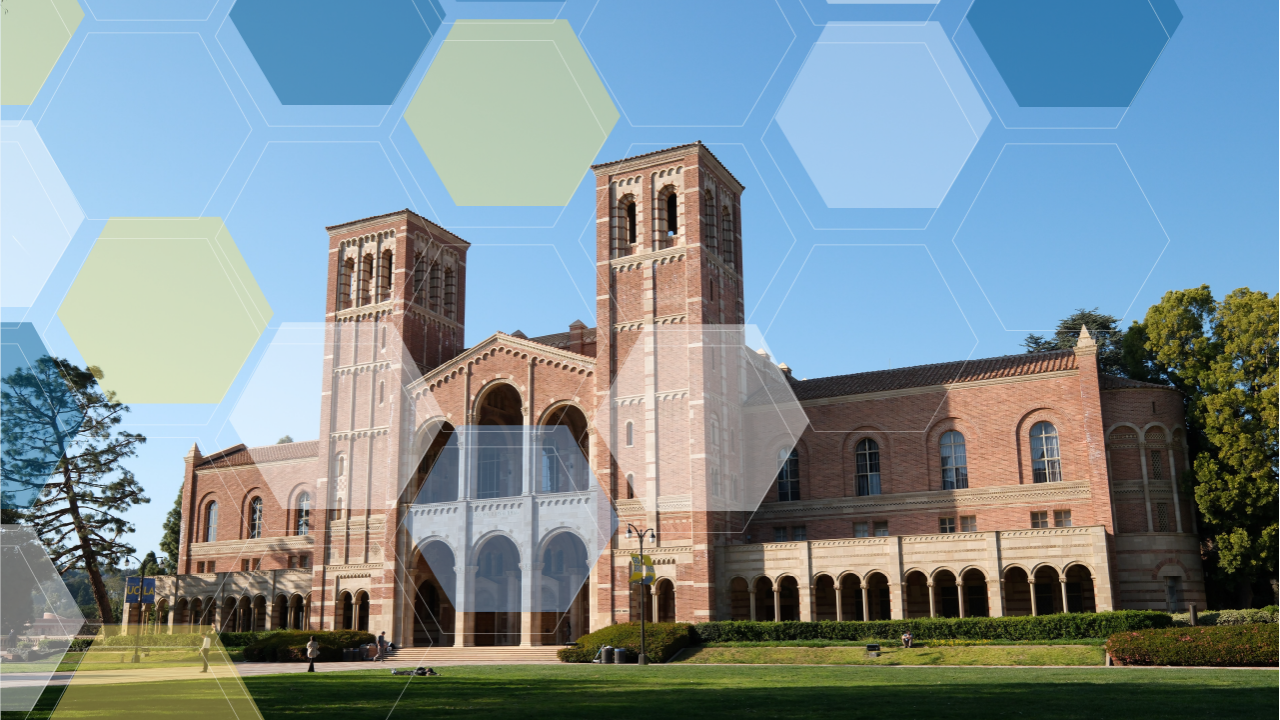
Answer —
171 541
1104 329
78 514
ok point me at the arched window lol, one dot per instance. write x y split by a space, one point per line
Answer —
726 225
385 264
450 295
672 208
1046 463
365 279
631 433
868 461
345 272
631 223
255 518
550 469
788 474
419 277
631 490
955 467
302 521
709 221
211 522
434 285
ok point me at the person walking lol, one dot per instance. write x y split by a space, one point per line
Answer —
313 652
382 647
205 646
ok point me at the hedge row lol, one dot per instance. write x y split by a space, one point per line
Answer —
291 645
661 641
1214 646
1063 626
1228 617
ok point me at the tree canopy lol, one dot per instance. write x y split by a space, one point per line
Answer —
1104 329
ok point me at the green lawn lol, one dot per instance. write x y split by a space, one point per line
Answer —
1016 655
682 691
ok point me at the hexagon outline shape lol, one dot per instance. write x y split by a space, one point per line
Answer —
935 41
22 49
456 163
213 5
145 251
977 195
763 88
994 88
976 340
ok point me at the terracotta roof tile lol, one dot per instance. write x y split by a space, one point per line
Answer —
937 374
238 455
1115 382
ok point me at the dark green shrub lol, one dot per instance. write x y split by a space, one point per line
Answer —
1214 646
661 640
291 645
1024 627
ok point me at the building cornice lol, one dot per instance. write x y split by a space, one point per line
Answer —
933 389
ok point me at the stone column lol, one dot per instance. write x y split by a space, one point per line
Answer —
653 602
1173 480
839 605
866 606
126 618
777 603
465 635
751 591
806 602
897 608
960 595
933 610
1031 585
1063 581
997 598
173 612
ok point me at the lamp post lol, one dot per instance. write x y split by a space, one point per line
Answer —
632 529
142 616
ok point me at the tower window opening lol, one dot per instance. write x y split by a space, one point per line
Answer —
672 210
450 294
434 284
419 277
366 277
726 221
709 220
631 223
385 264
345 272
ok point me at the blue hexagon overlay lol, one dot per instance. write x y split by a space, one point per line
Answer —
38 214
715 62
882 118
1065 64
1038 201
325 52
163 133
39 415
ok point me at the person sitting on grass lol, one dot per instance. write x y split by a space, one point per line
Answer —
907 639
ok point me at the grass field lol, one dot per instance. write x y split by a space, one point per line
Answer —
1016 655
560 691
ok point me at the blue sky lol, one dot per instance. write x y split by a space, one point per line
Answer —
1177 190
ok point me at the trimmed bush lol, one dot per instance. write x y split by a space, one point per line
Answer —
291 645
661 641
1064 626
1214 646
1228 617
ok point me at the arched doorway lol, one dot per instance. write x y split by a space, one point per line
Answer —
946 596
434 577
739 599
563 458
195 612
181 613
497 593
878 604
280 612
362 611
975 594
764 599
298 612
665 594
1048 589
562 614
1017 592
346 611
259 613
228 615
436 479
788 598
824 598
499 443
915 591
1080 590
851 597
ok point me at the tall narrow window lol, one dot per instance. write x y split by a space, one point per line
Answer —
550 469
631 489
385 264
1162 517
631 223
450 294
255 518
419 278
435 283
709 222
366 277
788 474
672 209
1157 467
868 462
631 433
211 522
726 234
345 272
1046 464
955 469
302 521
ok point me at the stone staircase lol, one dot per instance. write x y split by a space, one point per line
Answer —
500 655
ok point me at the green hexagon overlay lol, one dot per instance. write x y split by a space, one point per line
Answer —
167 308
33 34
511 112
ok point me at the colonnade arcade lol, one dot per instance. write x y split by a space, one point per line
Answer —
234 613
942 592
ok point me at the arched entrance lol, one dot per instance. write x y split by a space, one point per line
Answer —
946 596
975 594
436 479
764 599
878 605
739 599
851 607
665 595
915 591
1080 590
346 611
1048 591
561 612
788 598
259 613
1017 592
280 612
362 611
824 598
497 593
499 443
563 459
434 578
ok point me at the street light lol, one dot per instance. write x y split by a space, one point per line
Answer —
632 529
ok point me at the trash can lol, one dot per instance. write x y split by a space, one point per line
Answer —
619 656
606 656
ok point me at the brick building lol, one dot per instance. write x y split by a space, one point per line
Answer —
1012 485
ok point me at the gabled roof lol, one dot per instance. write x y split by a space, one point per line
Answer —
938 374
695 144
238 455
1115 382
561 339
